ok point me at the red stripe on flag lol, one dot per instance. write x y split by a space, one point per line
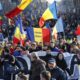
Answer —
46 35
41 22
55 36
77 32
22 42
16 40
13 13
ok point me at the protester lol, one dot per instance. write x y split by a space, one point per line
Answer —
33 47
45 75
51 64
74 68
56 72
10 69
60 61
48 55
17 51
37 66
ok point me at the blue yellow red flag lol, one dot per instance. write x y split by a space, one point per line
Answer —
38 34
50 13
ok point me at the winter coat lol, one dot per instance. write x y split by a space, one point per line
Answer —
61 63
74 68
17 53
10 69
57 73
37 67
74 61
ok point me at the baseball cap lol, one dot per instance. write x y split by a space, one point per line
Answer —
52 60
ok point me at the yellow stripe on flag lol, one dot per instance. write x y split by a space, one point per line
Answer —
54 30
23 36
47 15
24 4
38 35
17 33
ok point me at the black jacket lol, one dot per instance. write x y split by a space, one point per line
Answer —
57 74
74 61
37 67
61 63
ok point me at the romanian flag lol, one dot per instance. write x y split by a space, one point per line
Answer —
54 33
18 9
38 34
50 13
19 35
16 38
58 28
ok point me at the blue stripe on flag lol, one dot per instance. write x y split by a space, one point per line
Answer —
30 33
53 9
20 22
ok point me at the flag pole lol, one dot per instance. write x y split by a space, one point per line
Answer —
56 8
64 35
56 13
52 39
63 31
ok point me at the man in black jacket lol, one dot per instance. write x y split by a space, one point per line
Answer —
56 72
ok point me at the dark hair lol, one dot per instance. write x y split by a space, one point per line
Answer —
46 74
23 48
6 49
57 57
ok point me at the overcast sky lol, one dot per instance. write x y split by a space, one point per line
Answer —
50 1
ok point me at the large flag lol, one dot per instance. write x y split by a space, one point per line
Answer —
18 9
19 35
58 28
50 13
23 34
38 34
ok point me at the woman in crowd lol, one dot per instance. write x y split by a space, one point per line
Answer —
60 61
74 65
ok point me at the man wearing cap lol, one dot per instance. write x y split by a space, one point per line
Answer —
56 72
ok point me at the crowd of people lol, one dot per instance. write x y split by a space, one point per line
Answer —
38 61
25 60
